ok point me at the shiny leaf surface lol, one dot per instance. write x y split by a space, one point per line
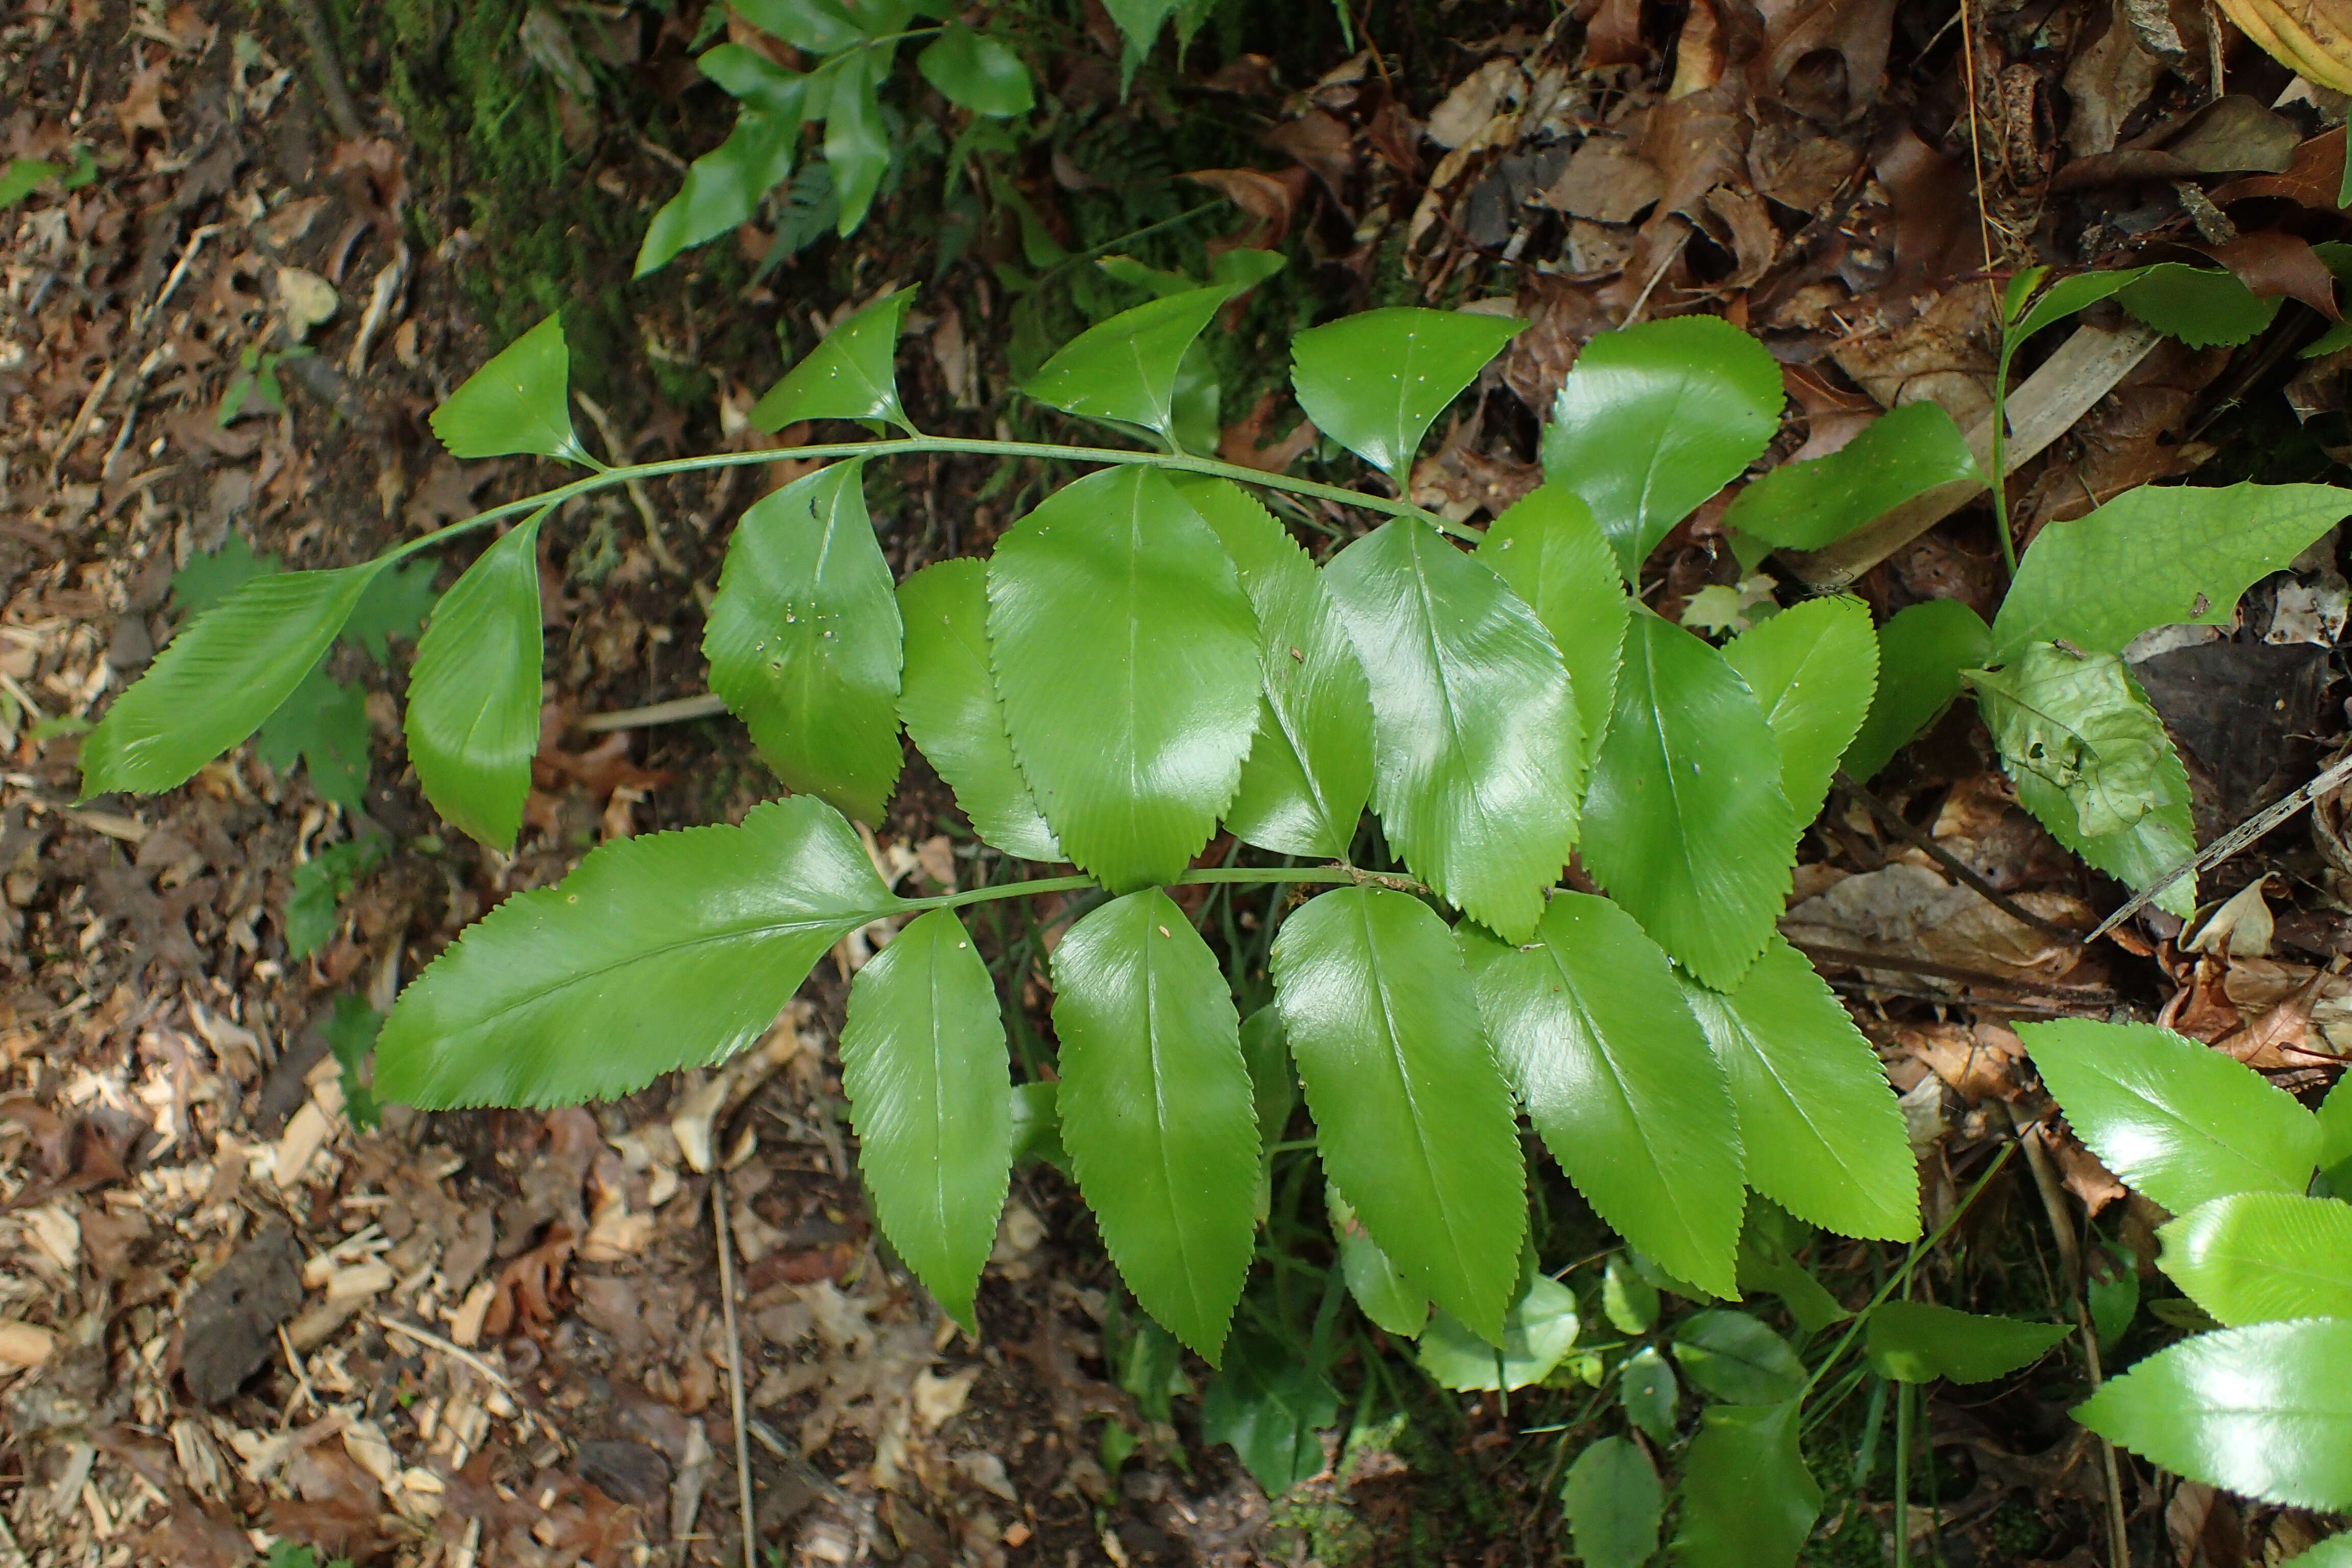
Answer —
803 640
2182 1123
1539 1331
2265 1410
1157 1110
1737 1358
1550 551
1688 825
1414 1119
1613 1504
473 692
1813 668
1303 788
1114 601
947 697
1381 1290
219 679
923 1064
852 375
723 188
1655 419
2257 1258
1806 505
519 403
977 71
1375 380
1478 758
665 951
1748 1500
1594 1033
1824 1137
1921 652
1124 370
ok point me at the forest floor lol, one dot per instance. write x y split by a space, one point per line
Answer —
235 1306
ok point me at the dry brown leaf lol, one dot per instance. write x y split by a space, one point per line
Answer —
2311 38
142 108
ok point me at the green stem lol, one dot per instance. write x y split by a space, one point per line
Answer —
1247 874
1896 1282
1905 1401
911 445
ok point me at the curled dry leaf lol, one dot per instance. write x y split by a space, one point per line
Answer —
2312 37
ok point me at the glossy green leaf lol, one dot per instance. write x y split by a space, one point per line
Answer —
1614 1503
1686 824
1736 1358
1380 1290
350 1031
1124 370
1414 1117
1921 652
1629 1301
2256 1258
1806 505
517 404
1655 418
1917 1342
852 375
2336 1138
322 724
2064 299
923 1064
1824 1137
2159 555
1302 790
820 26
2111 1292
2093 761
1748 1500
1157 1109
1814 669
857 143
1270 1406
1114 601
219 679
755 81
2265 1411
977 71
1478 757
2204 307
947 697
2180 1122
1592 1031
1647 1389
1138 22
664 951
803 640
474 691
1549 549
1539 1331
723 188
1374 382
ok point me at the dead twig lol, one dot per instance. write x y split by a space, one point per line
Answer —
326 71
446 1347
2229 844
734 1366
1896 820
643 502
676 711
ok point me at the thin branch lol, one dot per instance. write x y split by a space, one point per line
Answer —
676 711
654 542
734 1364
909 446
1950 862
2229 844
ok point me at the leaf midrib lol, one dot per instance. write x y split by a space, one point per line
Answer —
1437 1185
1599 1039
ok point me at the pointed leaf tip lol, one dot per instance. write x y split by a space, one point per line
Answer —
517 403
1376 381
852 375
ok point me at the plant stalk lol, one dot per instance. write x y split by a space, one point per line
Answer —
1246 875
913 446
